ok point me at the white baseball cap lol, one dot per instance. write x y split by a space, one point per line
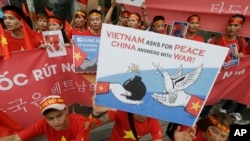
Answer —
52 102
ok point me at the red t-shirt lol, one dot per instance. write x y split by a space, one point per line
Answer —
16 44
223 42
74 31
75 131
122 131
88 33
248 49
197 38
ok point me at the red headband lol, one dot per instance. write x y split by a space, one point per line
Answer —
194 18
13 14
51 102
95 14
125 14
81 14
235 20
159 22
135 16
54 20
217 124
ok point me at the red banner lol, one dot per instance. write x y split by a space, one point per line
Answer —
232 84
214 13
28 76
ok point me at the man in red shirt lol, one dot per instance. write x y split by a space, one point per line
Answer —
56 124
194 23
14 20
122 130
234 25
95 23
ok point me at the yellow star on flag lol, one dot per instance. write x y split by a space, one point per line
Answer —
77 55
129 135
196 106
3 41
101 88
63 138
22 49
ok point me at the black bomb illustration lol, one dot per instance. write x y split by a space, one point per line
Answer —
136 87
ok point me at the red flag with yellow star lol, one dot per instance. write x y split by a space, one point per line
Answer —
102 87
27 32
78 56
194 105
4 45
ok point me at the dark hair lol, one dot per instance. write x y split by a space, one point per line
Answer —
156 18
223 118
239 16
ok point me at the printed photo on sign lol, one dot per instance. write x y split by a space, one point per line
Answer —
232 60
179 29
85 52
54 43
153 74
136 3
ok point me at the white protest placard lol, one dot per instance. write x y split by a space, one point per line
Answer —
54 43
155 75
137 3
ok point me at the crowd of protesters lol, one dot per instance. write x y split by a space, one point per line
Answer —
57 119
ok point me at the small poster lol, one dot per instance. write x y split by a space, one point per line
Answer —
54 43
136 3
179 29
234 61
87 46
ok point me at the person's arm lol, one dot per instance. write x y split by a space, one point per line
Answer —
14 137
109 13
146 21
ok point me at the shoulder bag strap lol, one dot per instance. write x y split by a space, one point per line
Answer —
132 124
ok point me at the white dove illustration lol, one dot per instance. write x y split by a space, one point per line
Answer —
178 82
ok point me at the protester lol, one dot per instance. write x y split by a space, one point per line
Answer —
56 124
234 25
41 24
123 17
95 23
14 21
123 129
194 23
54 24
216 127
78 23
134 21
158 25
